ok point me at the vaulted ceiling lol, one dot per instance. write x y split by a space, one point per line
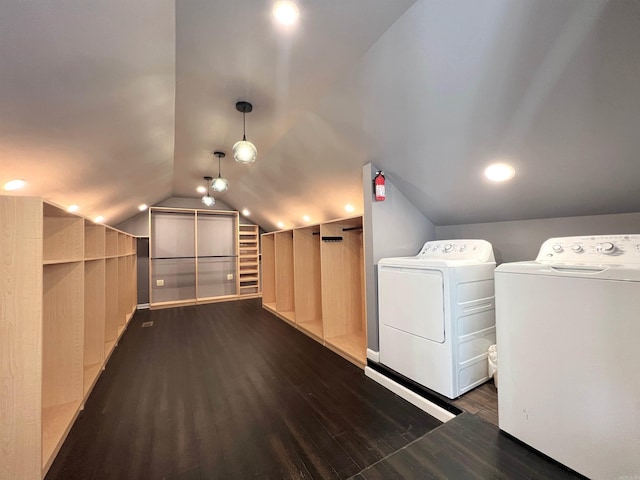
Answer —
109 104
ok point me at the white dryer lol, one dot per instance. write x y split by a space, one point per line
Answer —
568 328
437 314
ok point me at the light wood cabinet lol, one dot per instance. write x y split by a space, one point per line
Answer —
313 277
59 283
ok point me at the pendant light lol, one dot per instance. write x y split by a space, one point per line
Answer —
208 200
244 151
220 184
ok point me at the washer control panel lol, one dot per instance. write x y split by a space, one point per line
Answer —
473 249
610 249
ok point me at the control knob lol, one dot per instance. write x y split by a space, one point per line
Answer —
606 247
464 247
557 248
577 248
448 247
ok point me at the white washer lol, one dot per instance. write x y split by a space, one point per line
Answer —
568 327
437 314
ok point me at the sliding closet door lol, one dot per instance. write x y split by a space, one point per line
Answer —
217 254
173 261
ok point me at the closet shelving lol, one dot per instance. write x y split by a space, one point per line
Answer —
248 261
56 290
201 256
313 277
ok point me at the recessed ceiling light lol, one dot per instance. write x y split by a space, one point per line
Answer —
286 13
280 225
72 208
499 172
201 189
306 218
99 219
349 208
14 185
246 212
143 207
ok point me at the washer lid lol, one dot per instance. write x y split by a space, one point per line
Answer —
575 270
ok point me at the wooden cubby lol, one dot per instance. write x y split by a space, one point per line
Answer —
94 241
268 271
313 277
285 302
122 244
308 292
343 308
94 320
248 261
111 243
63 235
111 305
62 352
56 293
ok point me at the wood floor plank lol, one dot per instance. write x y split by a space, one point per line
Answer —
227 390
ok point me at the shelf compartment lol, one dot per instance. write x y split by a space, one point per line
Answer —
284 274
94 240
111 303
342 279
63 235
62 352
56 423
268 270
94 315
111 243
352 346
307 279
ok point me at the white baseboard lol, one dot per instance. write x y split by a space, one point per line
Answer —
411 397
143 306
373 356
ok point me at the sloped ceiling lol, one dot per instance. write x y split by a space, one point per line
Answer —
110 104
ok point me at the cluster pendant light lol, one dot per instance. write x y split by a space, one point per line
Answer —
244 151
208 200
220 184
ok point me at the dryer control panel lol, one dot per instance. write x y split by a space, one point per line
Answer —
595 249
473 249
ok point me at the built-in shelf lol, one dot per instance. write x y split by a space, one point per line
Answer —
61 291
318 286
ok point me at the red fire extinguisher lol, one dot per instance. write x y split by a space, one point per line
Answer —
378 183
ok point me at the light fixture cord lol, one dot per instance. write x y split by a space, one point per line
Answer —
219 175
244 127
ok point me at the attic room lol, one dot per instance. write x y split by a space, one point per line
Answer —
360 299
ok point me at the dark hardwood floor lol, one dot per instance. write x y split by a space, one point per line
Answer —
481 401
228 391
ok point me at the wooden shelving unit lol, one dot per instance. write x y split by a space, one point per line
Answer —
56 290
248 261
308 291
284 275
313 277
269 271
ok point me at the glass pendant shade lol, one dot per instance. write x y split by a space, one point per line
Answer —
220 184
245 152
208 200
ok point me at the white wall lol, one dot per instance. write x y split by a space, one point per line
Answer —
392 228
520 240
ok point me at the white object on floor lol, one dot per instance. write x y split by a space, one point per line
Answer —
568 327
410 396
437 314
